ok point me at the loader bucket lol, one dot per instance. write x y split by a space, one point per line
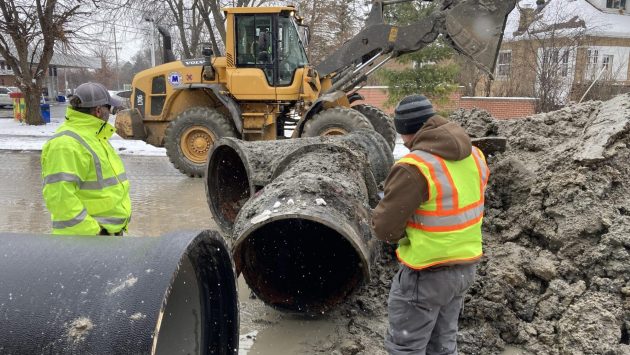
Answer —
475 29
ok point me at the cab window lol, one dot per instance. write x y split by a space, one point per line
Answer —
158 95
254 43
290 49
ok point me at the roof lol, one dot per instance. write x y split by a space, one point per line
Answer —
62 60
258 10
572 13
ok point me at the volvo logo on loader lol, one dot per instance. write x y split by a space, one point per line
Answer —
194 62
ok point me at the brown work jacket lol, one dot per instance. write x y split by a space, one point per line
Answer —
405 187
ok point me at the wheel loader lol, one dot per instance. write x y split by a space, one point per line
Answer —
265 86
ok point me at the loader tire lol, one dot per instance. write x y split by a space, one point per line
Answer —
382 122
191 135
335 121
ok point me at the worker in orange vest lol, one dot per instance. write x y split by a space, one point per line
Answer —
432 207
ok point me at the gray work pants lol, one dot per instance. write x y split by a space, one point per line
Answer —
423 309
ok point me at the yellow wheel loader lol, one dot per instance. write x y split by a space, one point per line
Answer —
264 85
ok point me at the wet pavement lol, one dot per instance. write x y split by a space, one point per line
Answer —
163 200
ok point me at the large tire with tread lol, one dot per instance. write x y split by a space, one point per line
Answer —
335 121
381 122
191 135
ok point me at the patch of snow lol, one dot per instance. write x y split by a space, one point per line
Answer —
263 216
15 135
131 280
598 22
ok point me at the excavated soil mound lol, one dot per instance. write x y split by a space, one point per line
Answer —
555 278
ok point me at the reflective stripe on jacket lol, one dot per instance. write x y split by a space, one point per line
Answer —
446 229
85 183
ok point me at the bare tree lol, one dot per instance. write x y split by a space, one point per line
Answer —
543 55
331 22
469 76
29 32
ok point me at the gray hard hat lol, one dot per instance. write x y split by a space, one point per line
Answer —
95 94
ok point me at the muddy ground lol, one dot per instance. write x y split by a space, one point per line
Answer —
555 278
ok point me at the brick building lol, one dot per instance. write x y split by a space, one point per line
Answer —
498 107
559 49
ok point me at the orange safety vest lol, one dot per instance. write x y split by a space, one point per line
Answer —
447 227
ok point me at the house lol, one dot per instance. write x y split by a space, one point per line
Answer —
59 61
562 50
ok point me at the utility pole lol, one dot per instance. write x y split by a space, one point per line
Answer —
116 54
152 21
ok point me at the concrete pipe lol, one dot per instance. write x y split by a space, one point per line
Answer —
107 295
303 243
236 169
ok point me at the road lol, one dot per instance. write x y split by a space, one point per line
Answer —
163 200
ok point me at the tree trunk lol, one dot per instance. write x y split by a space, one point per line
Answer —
32 96
488 87
215 9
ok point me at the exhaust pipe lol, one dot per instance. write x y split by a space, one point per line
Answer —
166 42
302 237
237 170
106 295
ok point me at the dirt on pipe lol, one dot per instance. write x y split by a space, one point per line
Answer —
555 278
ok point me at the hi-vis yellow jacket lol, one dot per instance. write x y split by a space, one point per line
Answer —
85 184
446 229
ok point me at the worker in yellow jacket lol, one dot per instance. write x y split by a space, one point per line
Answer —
85 184
433 209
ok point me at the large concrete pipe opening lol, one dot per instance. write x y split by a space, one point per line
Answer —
174 294
227 184
303 241
299 264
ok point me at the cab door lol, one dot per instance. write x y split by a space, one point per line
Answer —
255 74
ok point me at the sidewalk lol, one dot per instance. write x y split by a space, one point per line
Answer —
18 136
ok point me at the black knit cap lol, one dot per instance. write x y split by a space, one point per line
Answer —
411 113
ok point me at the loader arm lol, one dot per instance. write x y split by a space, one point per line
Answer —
474 28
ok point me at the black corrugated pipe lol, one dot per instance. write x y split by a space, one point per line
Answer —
237 170
166 42
174 294
303 241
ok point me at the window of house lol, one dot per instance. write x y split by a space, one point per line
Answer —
564 64
556 60
607 63
615 4
592 58
504 64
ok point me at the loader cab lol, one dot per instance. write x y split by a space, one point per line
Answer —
268 50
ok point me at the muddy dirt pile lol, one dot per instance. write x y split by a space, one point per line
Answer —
556 275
